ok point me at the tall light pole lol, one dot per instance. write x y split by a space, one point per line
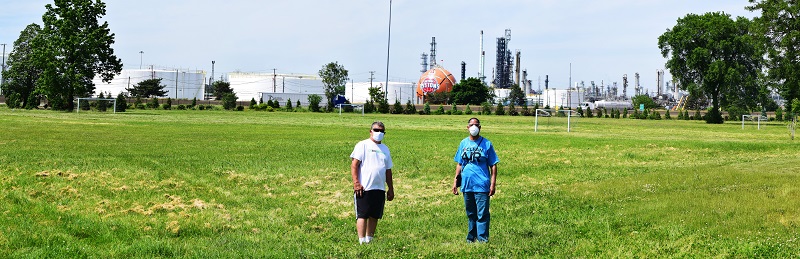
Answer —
141 53
388 47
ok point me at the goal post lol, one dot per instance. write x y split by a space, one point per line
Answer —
547 113
78 106
754 118
355 106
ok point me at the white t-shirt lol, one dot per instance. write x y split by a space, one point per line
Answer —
375 159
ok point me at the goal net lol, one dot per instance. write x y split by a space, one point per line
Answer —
554 120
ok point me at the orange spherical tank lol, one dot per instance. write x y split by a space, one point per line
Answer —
435 80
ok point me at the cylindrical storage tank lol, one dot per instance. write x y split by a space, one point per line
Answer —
435 80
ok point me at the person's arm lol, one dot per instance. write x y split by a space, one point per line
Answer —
389 185
354 167
455 179
493 171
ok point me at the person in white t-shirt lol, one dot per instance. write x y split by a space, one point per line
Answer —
371 169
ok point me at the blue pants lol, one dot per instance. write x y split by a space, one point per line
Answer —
477 205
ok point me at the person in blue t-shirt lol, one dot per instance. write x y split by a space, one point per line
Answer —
476 173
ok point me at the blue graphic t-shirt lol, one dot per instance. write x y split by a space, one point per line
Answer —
475 157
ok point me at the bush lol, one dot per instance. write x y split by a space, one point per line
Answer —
201 107
697 115
122 103
270 109
369 107
289 105
168 105
667 116
486 108
240 108
138 103
512 110
153 103
194 102
426 109
410 108
397 108
229 101
439 111
313 102
209 107
625 113
779 114
181 107
500 109
269 103
297 105
579 111
253 103
383 106
467 110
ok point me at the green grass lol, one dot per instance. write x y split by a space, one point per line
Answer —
260 184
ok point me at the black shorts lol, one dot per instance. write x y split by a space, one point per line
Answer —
370 204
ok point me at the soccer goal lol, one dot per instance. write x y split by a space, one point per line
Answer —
78 107
548 113
754 118
355 107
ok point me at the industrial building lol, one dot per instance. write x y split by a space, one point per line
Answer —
179 84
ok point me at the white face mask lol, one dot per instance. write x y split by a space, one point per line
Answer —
474 130
377 136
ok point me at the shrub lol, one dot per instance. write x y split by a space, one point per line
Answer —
383 106
697 115
410 108
500 110
209 107
599 113
201 107
194 102
625 113
779 114
512 110
269 103
229 101
486 108
297 105
313 102
270 109
181 107
579 111
426 109
289 104
369 107
397 108
253 103
240 108
467 110
439 111
153 103
122 103
667 116
138 103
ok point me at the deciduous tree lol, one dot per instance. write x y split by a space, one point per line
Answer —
713 55
21 76
71 49
779 28
334 77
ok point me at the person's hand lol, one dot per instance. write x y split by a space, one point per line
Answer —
455 189
491 191
358 189
390 195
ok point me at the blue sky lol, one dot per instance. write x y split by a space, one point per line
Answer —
601 39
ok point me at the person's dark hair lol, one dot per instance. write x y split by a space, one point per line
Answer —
379 123
473 118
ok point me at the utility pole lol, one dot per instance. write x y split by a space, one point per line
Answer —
371 77
141 53
4 65
176 84
274 82
388 48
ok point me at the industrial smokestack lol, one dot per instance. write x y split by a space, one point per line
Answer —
516 69
481 73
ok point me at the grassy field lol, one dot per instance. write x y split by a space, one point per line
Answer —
257 184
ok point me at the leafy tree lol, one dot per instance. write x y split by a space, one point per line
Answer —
516 96
438 98
470 91
410 108
229 101
71 49
779 26
221 88
148 88
122 103
713 55
643 99
334 77
313 102
21 76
